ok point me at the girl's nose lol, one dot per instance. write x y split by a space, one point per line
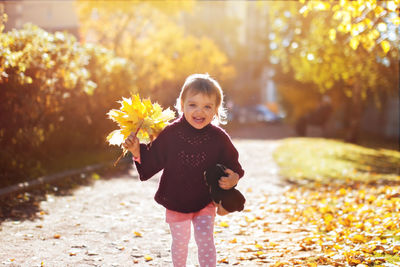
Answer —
199 110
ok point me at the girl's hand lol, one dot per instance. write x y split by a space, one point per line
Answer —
227 182
132 144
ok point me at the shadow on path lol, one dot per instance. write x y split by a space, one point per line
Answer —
25 205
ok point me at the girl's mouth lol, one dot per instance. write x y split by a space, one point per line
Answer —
198 120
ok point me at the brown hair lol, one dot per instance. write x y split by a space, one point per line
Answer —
204 84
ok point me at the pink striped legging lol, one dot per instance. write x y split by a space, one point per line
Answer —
203 225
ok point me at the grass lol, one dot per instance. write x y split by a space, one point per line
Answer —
327 161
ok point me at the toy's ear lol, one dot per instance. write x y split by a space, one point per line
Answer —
221 169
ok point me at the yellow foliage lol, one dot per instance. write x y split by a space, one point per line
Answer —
342 44
143 117
354 42
347 12
148 34
385 46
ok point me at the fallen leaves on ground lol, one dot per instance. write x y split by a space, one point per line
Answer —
346 226
259 235
57 236
148 258
354 225
137 234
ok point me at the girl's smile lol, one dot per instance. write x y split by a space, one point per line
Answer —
199 109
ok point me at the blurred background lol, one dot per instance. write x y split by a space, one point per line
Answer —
318 68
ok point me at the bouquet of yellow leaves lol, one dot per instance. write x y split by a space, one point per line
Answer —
147 120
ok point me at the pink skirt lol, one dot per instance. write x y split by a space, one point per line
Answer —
175 216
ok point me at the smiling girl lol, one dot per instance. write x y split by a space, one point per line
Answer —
184 150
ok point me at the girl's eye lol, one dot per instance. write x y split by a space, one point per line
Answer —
208 107
192 105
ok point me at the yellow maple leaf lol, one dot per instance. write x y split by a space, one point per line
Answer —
223 224
396 21
148 258
359 238
224 260
142 117
138 115
332 34
354 42
385 46
137 234
258 246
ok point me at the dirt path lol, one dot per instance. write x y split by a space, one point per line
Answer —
116 222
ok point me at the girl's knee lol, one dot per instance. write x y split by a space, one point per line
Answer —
204 230
180 233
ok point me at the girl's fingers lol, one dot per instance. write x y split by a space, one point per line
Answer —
133 139
227 182
130 142
222 186
228 171
223 183
132 135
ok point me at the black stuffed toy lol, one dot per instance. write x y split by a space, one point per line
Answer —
226 200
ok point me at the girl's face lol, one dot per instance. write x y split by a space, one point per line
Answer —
199 109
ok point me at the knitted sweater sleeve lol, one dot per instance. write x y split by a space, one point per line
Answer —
152 157
230 156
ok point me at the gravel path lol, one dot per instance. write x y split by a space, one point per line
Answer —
116 222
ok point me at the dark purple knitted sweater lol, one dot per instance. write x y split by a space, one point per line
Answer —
184 153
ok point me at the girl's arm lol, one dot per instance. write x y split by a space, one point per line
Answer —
230 158
151 158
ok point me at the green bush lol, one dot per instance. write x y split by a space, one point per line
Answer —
54 95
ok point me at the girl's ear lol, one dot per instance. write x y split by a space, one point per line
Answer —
182 105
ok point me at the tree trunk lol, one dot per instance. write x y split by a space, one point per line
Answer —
355 112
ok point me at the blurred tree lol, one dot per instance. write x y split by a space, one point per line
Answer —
3 17
350 46
38 72
201 22
50 86
147 33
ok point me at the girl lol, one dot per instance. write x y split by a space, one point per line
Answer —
184 150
